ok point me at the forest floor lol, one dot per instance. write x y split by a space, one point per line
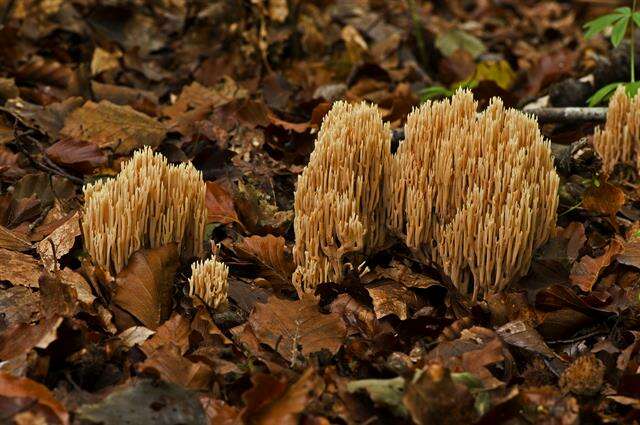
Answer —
239 89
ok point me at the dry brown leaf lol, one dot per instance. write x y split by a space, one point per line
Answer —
33 396
433 397
402 274
271 402
283 325
59 242
57 298
630 254
172 367
278 10
143 287
271 254
174 331
585 272
21 338
13 241
79 284
104 60
120 128
392 298
219 205
19 269
78 155
604 199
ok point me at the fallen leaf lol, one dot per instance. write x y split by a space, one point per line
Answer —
143 288
585 272
278 10
272 402
49 119
145 402
28 395
169 363
603 199
219 412
18 305
19 269
630 254
21 338
285 325
386 392
56 298
432 397
392 298
104 60
271 254
174 331
520 334
116 127
59 242
456 39
135 335
219 203
77 155
13 241
402 274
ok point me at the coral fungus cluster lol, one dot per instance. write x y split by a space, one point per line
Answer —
149 204
619 141
339 201
208 281
473 194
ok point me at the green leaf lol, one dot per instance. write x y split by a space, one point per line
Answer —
603 94
433 92
619 30
387 392
599 24
456 39
636 18
624 11
632 88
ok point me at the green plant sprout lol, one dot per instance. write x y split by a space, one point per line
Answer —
619 21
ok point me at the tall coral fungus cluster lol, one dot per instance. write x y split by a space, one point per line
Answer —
473 194
619 141
339 202
149 204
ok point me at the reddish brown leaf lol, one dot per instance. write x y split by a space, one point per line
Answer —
13 241
586 271
219 205
272 402
283 325
604 199
76 154
172 367
174 331
271 254
28 395
21 338
143 287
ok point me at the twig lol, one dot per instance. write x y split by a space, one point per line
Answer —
49 167
568 115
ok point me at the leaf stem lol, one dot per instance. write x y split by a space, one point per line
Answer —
632 56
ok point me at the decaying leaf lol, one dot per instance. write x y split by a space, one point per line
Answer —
19 269
291 327
120 128
173 367
143 287
270 252
272 401
586 271
219 205
78 155
13 241
23 394
59 242
145 402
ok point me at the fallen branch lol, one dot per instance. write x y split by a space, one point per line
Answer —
568 115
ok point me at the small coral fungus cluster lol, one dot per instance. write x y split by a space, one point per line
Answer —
619 141
473 194
151 203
